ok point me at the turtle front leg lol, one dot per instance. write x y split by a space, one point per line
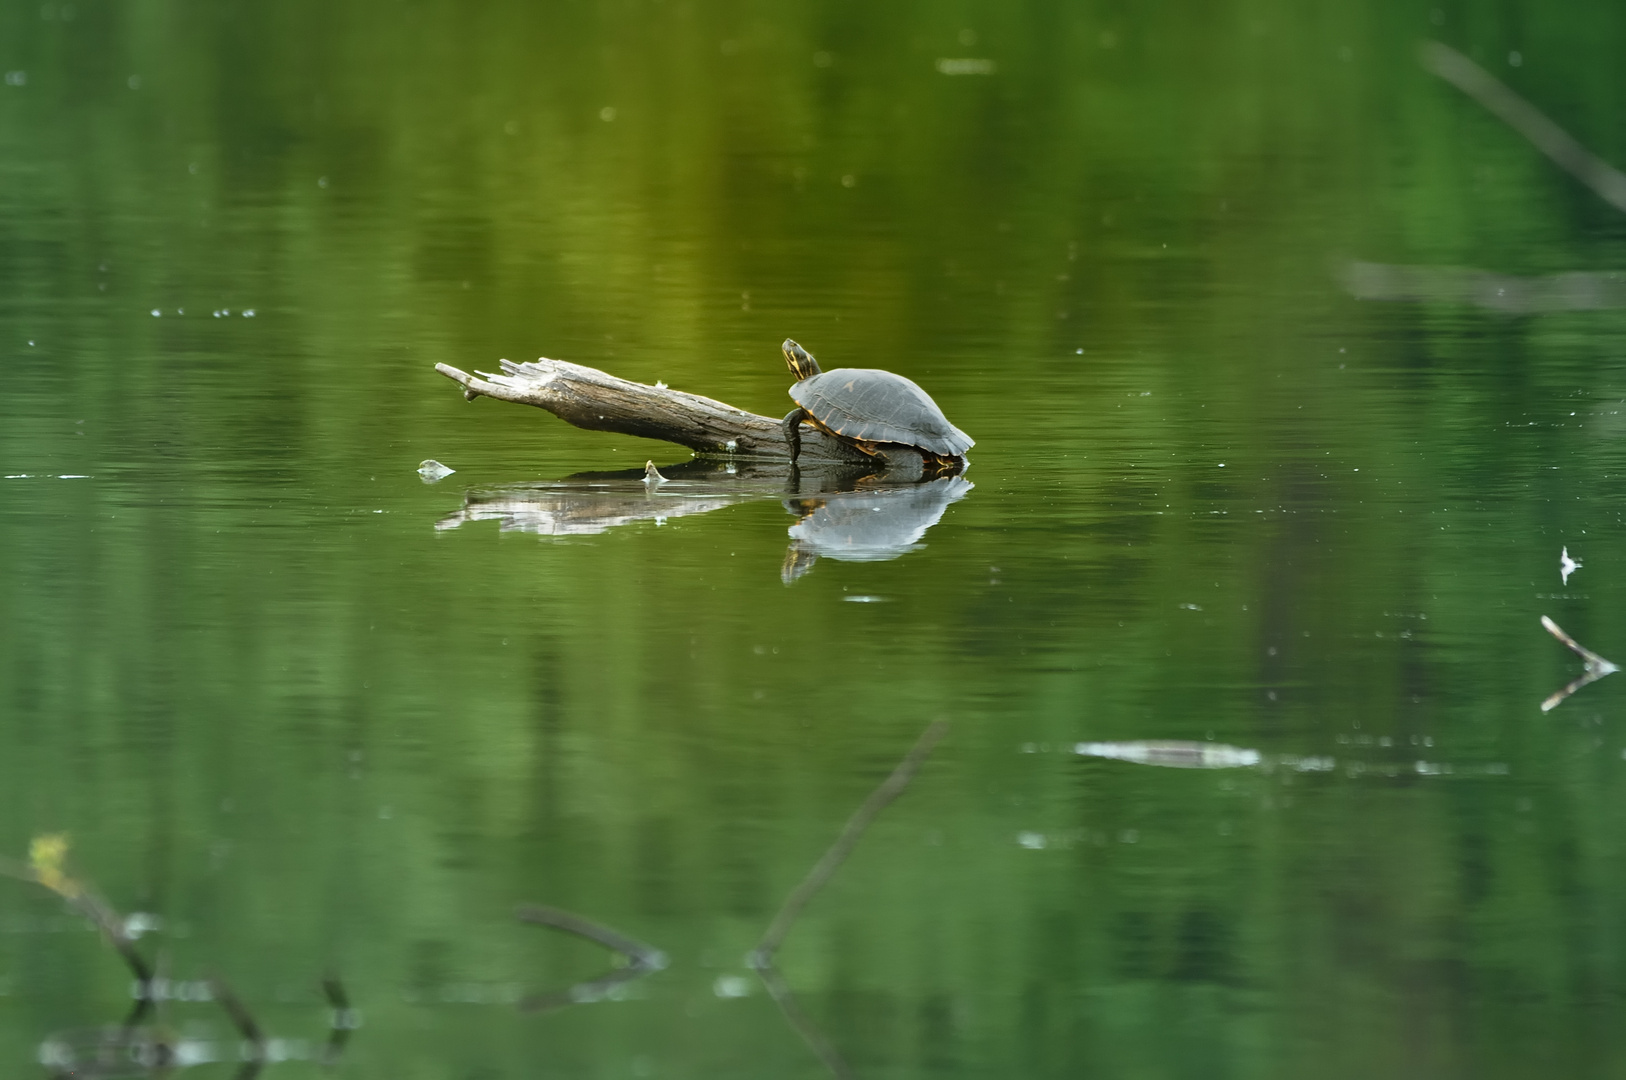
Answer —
793 431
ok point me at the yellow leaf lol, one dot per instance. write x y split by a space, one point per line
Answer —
46 854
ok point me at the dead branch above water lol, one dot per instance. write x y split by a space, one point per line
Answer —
1517 113
598 401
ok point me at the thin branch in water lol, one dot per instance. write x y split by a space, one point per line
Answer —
1559 145
253 1036
641 958
47 855
1596 667
761 958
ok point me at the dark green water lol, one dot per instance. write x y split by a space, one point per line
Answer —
1217 497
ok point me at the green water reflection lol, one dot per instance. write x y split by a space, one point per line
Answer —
1216 498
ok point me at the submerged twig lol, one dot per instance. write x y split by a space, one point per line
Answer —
641 958
761 958
45 866
1596 666
112 1051
1559 145
253 1046
343 1020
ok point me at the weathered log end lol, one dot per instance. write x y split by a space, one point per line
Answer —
598 401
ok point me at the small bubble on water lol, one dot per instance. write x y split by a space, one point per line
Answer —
731 986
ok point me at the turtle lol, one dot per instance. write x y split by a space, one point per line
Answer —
864 407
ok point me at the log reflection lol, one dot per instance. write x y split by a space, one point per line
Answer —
843 512
591 503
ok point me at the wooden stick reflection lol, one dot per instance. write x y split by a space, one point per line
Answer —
761 958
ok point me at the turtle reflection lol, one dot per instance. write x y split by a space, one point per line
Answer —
867 524
844 513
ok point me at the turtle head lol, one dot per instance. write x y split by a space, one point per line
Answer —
799 360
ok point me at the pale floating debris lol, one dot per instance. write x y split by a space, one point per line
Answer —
731 446
141 922
652 475
1173 753
1310 763
1567 565
965 66
1033 841
248 313
1512 295
731 986
157 314
864 598
433 471
19 476
74 476
660 384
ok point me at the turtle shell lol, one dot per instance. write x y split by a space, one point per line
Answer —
870 405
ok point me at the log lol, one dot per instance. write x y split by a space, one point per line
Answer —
598 401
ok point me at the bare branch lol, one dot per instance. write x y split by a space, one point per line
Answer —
598 401
1527 120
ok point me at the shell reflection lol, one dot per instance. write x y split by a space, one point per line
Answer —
866 525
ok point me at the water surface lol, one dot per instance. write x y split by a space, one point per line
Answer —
1238 482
